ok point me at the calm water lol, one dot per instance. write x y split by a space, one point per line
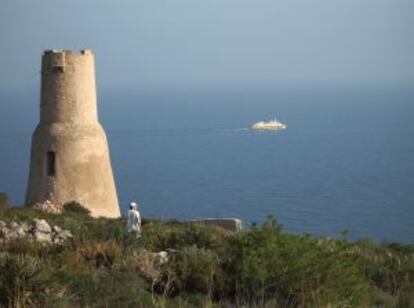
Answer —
345 162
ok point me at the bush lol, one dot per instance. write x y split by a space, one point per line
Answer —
75 207
390 268
266 263
195 269
100 254
3 201
159 236
104 229
25 282
104 265
111 288
26 247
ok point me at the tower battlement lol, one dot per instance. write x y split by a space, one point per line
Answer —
70 157
58 60
68 51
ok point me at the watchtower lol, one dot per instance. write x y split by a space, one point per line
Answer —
70 158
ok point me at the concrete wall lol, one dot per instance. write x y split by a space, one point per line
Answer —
231 224
69 127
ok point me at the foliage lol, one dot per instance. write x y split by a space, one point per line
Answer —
3 201
267 263
390 267
104 265
175 235
26 247
195 269
109 288
75 207
100 254
25 282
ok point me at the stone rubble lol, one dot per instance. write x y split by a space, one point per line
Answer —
38 230
49 207
40 225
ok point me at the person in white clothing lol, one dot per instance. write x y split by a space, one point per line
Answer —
134 219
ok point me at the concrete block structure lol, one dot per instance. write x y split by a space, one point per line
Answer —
230 224
70 158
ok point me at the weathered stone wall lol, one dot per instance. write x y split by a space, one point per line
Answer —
68 93
69 127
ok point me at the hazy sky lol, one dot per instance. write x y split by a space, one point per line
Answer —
192 42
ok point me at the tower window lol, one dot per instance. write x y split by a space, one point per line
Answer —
58 69
50 163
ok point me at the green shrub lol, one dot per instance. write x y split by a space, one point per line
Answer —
266 263
104 229
99 253
24 282
104 265
75 207
3 201
390 267
27 247
106 288
195 270
159 236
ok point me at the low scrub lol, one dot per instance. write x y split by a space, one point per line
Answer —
3 201
266 263
104 265
27 282
75 207
195 270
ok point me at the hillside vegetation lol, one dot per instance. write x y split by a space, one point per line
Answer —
178 264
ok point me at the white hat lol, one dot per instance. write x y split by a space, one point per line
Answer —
133 205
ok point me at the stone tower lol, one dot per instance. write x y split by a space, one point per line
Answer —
70 158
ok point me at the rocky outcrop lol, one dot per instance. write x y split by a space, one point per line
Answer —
38 230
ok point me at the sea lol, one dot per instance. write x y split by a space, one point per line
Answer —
344 165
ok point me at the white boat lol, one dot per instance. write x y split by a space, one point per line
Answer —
269 125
